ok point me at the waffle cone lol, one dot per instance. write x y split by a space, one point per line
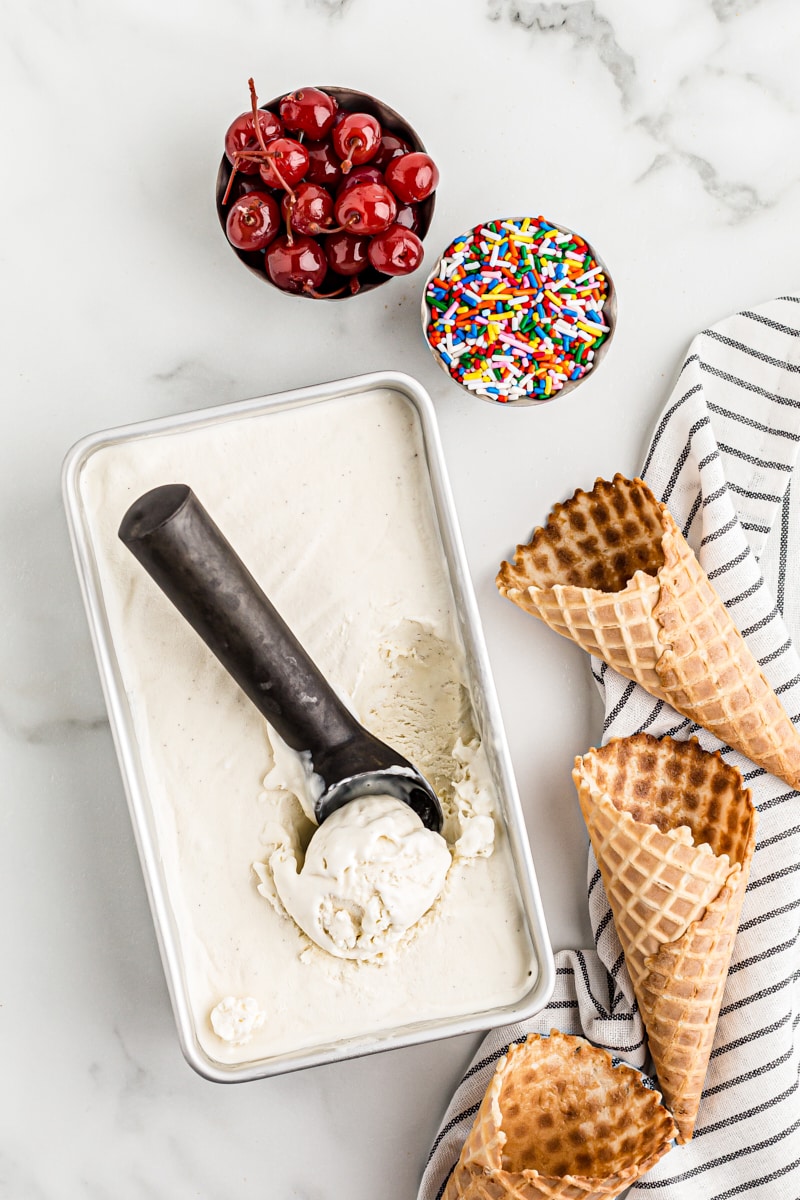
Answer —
612 571
560 1120
673 830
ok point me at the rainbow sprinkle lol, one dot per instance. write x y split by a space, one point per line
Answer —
516 309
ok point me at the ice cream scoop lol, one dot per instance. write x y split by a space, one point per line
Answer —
176 541
368 876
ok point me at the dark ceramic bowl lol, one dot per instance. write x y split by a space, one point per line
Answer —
390 121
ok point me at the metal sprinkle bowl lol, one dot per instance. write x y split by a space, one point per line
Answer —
609 313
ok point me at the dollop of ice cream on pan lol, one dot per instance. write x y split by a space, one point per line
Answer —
371 871
236 1018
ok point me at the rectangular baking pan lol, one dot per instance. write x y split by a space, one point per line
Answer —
483 696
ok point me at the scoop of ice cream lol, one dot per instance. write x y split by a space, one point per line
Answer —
371 871
236 1018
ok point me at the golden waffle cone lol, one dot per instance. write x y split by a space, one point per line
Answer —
559 1120
612 571
673 830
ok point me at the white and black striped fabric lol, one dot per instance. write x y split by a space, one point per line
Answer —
722 457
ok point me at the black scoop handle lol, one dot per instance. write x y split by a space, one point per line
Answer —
174 538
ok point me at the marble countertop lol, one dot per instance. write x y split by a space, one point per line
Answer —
666 134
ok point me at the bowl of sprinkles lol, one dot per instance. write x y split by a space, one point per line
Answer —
519 311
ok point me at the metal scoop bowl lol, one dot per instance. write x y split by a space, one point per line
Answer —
176 541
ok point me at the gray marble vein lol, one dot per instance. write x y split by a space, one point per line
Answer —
331 7
52 732
739 200
584 24
728 10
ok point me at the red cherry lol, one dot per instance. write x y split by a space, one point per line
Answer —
412 177
356 139
242 138
396 251
391 146
253 221
365 174
285 164
296 266
408 215
366 208
347 254
323 164
309 209
309 111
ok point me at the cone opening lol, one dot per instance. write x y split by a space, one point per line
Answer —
597 540
672 784
566 1110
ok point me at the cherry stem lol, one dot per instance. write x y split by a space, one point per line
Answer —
280 178
347 165
346 228
230 180
289 211
310 291
264 153
256 122
238 157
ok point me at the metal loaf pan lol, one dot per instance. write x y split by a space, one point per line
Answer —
140 799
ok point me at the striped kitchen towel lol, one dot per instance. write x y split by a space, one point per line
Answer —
722 458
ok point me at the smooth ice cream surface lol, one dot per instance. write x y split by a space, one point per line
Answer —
370 872
330 507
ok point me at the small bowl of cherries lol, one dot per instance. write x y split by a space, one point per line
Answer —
325 192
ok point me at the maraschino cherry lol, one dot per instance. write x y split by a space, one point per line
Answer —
365 174
241 140
412 177
356 139
324 165
366 208
309 209
346 253
408 215
296 266
253 221
308 111
284 164
391 146
396 251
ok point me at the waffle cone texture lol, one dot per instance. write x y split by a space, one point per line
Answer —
560 1120
673 831
612 571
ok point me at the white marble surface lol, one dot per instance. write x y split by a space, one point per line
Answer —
667 134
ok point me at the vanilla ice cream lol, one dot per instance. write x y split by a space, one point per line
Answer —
370 872
236 1018
367 923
